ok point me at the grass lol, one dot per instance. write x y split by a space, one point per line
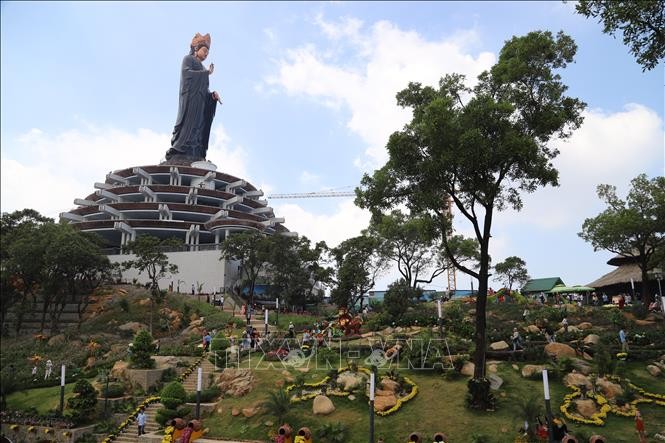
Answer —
42 399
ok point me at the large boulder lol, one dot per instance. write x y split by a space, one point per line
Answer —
499 346
558 350
654 370
57 340
591 339
533 329
581 366
250 412
236 382
132 326
531 370
570 329
119 370
585 325
385 401
608 389
350 380
577 379
389 385
586 408
322 405
468 369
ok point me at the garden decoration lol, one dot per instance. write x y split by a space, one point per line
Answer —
606 406
341 384
349 324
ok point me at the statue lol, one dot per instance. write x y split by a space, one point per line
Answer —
196 107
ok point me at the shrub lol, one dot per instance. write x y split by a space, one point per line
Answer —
124 304
333 433
163 415
142 350
115 390
82 405
219 344
173 395
207 395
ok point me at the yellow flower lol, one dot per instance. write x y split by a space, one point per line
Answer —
13 427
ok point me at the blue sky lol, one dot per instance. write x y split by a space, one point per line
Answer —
308 91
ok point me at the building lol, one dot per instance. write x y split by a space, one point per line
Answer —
538 285
626 278
190 201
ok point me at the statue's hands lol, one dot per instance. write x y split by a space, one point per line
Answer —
211 69
215 96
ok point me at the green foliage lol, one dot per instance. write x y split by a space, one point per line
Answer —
124 304
207 395
86 438
479 395
173 395
642 24
82 405
278 405
151 259
512 270
114 390
142 350
603 359
252 250
631 228
333 433
219 344
399 298
477 437
164 415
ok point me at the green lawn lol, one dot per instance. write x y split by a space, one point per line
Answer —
43 399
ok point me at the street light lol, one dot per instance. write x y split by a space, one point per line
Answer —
106 376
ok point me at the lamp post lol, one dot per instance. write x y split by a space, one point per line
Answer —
62 389
265 319
371 404
440 312
277 313
198 392
548 408
106 375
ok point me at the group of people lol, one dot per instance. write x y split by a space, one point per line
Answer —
48 370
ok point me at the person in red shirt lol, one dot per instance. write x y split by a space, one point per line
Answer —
187 433
622 301
639 427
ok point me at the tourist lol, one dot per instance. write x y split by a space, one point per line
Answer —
168 432
243 309
221 301
525 314
622 301
306 338
550 335
624 340
594 299
49 369
187 433
34 373
292 330
629 299
564 323
517 340
542 298
156 343
639 427
604 297
192 288
197 104
559 430
207 339
140 421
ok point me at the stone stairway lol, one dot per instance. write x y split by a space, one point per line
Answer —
190 382
130 434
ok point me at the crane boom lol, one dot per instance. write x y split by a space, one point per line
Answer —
314 194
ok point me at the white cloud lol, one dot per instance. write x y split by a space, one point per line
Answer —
307 178
609 148
365 75
47 172
347 221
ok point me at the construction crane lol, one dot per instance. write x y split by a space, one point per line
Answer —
317 194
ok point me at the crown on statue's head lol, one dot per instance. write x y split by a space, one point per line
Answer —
201 40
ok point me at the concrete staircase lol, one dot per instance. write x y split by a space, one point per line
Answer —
190 382
130 434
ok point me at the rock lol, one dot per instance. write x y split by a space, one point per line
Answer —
608 389
133 326
533 329
515 367
384 402
468 369
279 383
639 322
559 350
492 368
581 366
654 370
144 302
249 412
585 325
389 385
495 381
388 331
268 423
286 373
398 329
90 362
303 370
196 322
366 335
235 412
499 346
570 329
531 370
236 382
577 379
586 408
591 339
350 380
351 397
57 340
119 370
322 405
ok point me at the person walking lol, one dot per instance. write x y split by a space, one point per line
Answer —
624 340
564 323
140 421
49 369
639 427
207 339
517 340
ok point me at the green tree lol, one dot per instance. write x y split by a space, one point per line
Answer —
152 260
642 24
512 270
399 297
411 242
278 405
634 227
480 148
252 251
142 349
358 265
82 404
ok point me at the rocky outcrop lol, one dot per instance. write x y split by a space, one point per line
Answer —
654 370
529 371
384 401
586 408
558 350
132 326
322 405
585 325
350 380
577 379
591 339
607 388
236 382
499 346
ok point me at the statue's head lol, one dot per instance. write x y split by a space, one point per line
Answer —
200 44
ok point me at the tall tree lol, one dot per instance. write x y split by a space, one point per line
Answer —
512 270
642 24
152 260
634 227
358 265
252 251
411 242
480 147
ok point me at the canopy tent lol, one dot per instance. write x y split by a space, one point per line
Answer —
563 289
